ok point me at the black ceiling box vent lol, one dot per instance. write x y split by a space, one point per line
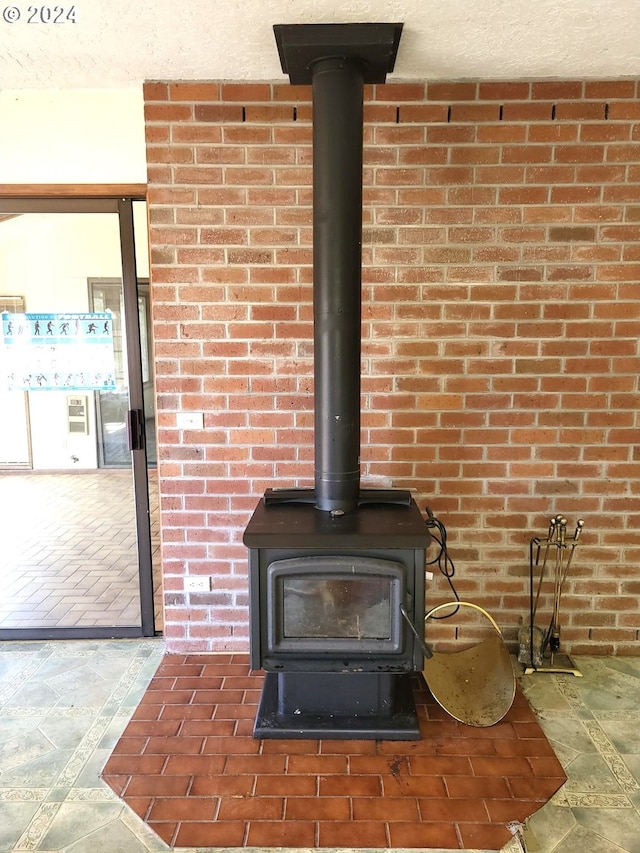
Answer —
372 46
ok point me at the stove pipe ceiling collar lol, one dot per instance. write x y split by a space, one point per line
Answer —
337 60
374 46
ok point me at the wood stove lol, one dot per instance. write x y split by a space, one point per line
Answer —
336 572
327 598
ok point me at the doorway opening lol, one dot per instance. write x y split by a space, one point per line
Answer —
78 484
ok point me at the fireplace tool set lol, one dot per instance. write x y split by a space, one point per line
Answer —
539 649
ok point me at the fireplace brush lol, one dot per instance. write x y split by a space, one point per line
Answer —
540 649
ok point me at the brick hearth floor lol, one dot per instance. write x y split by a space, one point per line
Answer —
188 765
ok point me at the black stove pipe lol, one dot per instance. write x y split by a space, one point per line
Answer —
337 258
337 59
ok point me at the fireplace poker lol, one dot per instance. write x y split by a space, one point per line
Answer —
547 543
553 633
573 543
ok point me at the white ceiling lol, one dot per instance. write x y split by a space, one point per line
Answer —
120 43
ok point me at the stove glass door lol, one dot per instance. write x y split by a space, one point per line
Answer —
334 604
358 608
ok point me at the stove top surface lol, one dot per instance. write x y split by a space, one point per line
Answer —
370 525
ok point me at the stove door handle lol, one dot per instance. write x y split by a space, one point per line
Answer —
426 650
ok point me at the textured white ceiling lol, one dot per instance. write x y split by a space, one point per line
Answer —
120 43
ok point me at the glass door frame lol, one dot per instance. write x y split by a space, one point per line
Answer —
123 207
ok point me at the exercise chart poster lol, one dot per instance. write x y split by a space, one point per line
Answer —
53 352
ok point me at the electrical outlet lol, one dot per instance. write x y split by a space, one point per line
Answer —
197 583
190 420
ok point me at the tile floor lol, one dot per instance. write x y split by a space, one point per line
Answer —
79 567
65 705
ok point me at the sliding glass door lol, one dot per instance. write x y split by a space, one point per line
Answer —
75 519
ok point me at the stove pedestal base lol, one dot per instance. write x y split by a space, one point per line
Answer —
337 706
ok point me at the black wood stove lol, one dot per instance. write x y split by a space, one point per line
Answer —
336 572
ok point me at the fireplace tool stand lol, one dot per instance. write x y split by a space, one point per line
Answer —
539 650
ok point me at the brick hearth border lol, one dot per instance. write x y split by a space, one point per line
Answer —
188 765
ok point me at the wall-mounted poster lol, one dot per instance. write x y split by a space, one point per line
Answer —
54 352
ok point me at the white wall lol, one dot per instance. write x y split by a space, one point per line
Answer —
72 136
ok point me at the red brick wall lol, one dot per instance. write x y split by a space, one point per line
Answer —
501 317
